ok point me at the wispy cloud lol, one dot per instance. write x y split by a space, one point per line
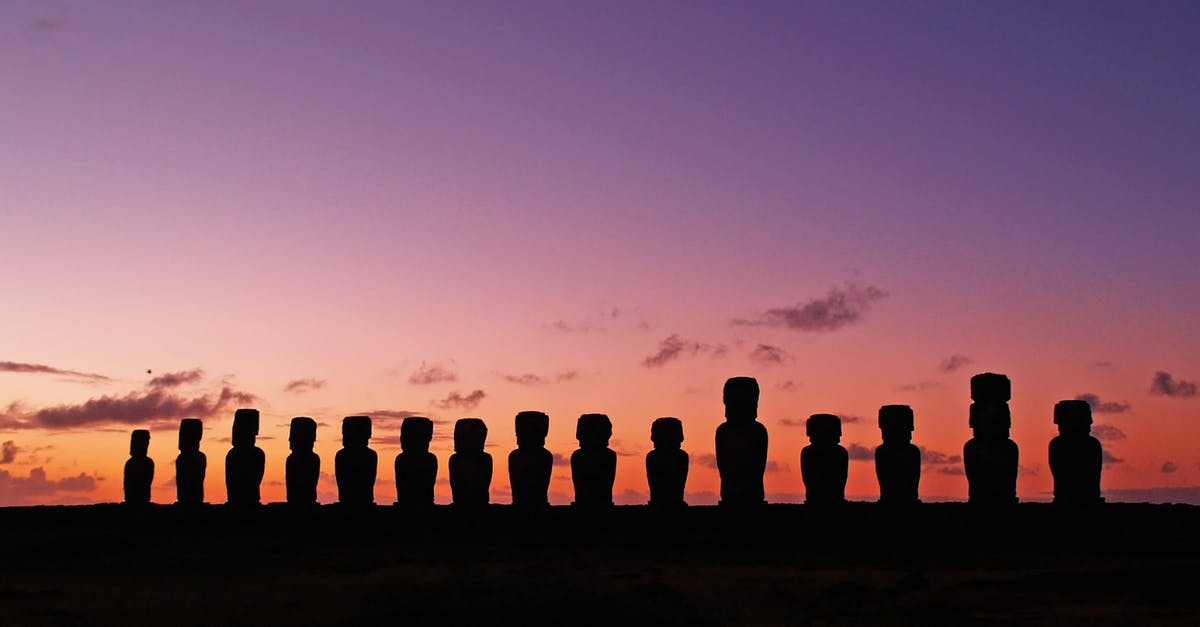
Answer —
300 386
457 400
768 355
38 488
709 460
176 379
922 386
840 307
955 362
1101 407
1166 385
860 453
24 368
675 347
527 378
8 452
1107 433
431 374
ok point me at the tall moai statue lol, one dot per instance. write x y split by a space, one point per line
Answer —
191 464
824 463
897 460
667 463
741 445
990 458
303 468
355 465
416 467
245 462
1076 457
530 464
593 464
139 469
470 465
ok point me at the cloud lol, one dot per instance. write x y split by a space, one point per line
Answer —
23 368
428 375
1165 385
176 379
37 488
1107 433
1099 407
930 457
561 460
851 419
787 386
955 362
709 460
920 387
1169 467
8 452
674 347
139 407
567 375
574 327
1110 459
380 415
840 307
769 355
525 379
300 386
456 400
1184 494
860 453
792 422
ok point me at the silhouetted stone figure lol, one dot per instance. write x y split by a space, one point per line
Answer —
824 463
191 464
416 467
593 464
897 460
667 463
355 465
470 465
990 458
1076 457
139 469
741 445
303 468
245 462
530 464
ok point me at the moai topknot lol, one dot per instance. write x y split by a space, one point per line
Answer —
667 463
824 463
139 470
245 462
593 464
897 460
470 465
1075 456
303 465
990 458
355 465
741 445
190 464
530 464
416 467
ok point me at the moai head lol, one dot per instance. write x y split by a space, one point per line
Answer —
356 431
470 435
245 427
1073 417
190 430
593 431
741 399
824 429
139 443
532 428
302 434
416 432
990 387
896 423
990 420
666 433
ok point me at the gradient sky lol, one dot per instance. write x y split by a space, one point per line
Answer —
857 203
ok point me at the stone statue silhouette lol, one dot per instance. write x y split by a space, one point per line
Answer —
530 464
355 465
1076 457
593 464
470 465
824 463
416 467
667 463
303 465
191 464
990 458
897 460
741 445
139 469
245 462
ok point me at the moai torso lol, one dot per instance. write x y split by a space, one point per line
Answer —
824 464
530 464
303 466
593 464
1076 458
741 443
191 464
416 468
897 460
139 469
355 464
470 465
245 462
667 464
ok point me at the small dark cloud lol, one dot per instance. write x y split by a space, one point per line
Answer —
1166 385
840 307
561 460
921 386
860 453
792 422
955 362
709 460
930 457
1169 467
951 470
300 386
524 379
769 355
1110 459
1107 433
574 327
774 466
23 368
37 488
787 386
431 374
851 419
567 375
1102 407
49 24
8 452
1102 364
457 400
675 347
176 379
630 497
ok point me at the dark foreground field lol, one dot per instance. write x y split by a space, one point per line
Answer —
788 565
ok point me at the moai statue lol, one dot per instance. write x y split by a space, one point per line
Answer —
741 445
139 470
530 464
355 465
303 465
245 462
990 457
824 463
897 460
470 465
1075 456
416 467
191 463
667 463
593 464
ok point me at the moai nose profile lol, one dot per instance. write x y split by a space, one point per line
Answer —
897 460
470 465
245 462
191 464
824 463
741 445
416 467
991 458
530 464
593 464
303 468
356 464
667 464
1076 457
139 469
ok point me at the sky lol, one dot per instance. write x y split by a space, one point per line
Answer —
461 209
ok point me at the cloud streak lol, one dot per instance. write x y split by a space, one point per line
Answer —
1102 407
837 309
300 386
429 375
176 379
24 368
768 355
1166 385
955 362
457 400
675 347
135 408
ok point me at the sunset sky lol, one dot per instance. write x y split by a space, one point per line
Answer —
470 209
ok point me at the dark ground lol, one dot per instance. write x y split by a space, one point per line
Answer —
938 564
